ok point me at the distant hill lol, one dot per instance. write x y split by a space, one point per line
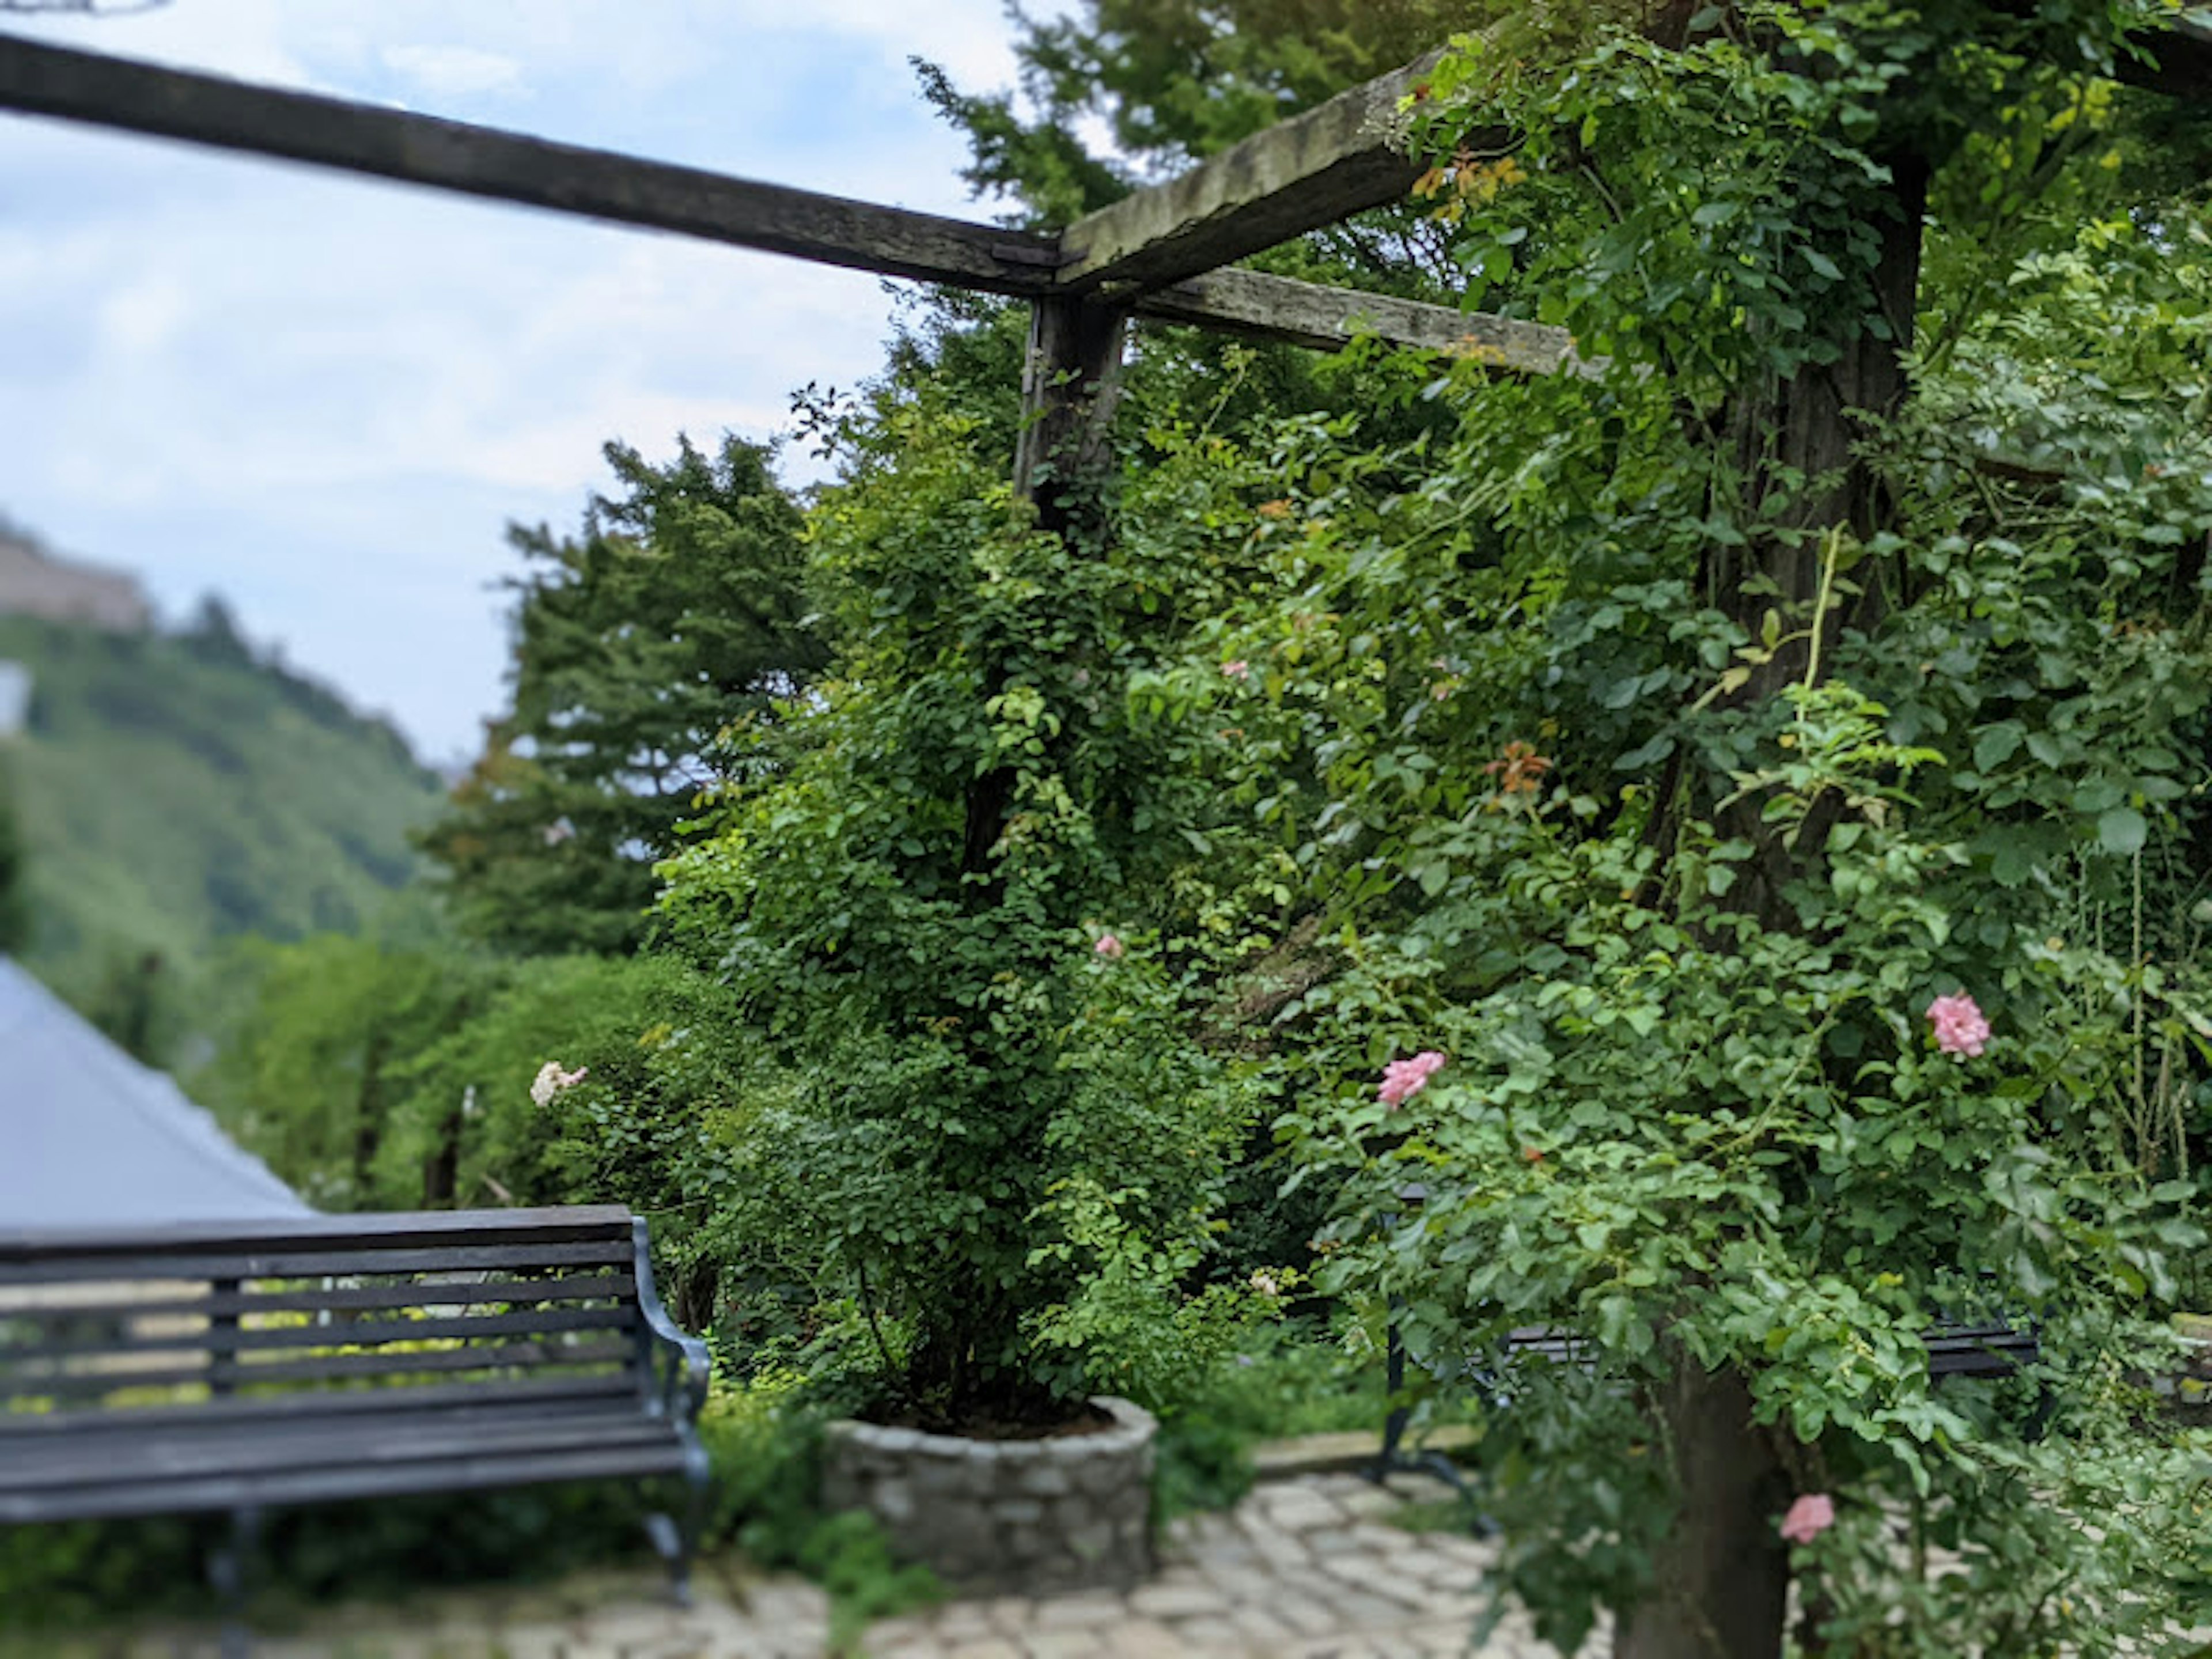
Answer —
175 790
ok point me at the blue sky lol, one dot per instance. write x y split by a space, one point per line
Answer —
325 397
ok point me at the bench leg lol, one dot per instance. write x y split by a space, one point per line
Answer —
229 1564
674 1542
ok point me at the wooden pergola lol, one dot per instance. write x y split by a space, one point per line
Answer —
1169 252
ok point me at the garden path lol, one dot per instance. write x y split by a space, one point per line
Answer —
1307 1567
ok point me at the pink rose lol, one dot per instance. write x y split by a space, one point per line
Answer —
1402 1078
1109 947
1959 1026
1238 670
1808 1517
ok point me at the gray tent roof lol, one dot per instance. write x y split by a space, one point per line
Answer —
90 1138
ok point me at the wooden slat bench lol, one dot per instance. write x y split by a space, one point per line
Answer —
1955 1348
234 1368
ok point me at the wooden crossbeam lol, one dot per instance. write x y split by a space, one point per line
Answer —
440 154
420 150
1298 175
1261 306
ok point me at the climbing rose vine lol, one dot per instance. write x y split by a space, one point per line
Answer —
1402 1079
1808 1517
1960 1028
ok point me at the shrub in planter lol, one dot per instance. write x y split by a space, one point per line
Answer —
975 1102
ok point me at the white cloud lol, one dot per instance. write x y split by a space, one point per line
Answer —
326 397
141 317
454 70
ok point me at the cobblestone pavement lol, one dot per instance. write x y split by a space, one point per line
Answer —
1305 1568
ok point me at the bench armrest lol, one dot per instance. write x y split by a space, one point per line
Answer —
673 1363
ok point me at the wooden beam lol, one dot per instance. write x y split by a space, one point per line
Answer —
390 143
1297 176
1263 307
439 155
2182 65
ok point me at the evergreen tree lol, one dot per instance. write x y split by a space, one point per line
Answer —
650 653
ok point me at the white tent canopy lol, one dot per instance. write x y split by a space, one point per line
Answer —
90 1138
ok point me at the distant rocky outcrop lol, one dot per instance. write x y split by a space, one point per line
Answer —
34 582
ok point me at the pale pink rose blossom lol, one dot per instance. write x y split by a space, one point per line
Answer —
1238 670
1808 1517
1402 1078
1109 947
552 1081
1960 1028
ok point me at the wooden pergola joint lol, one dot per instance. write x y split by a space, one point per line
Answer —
1299 175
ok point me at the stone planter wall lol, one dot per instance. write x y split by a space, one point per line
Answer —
1006 1515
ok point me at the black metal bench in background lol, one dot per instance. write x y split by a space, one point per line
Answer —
1955 1348
239 1368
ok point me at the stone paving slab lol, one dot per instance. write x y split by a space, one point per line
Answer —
1305 1568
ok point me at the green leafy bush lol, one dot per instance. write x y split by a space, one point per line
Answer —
976 1108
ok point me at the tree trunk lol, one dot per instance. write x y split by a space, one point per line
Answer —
1723 1575
441 1170
369 1112
1797 435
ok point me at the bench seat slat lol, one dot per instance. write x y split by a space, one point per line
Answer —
348 1333
133 1497
251 1448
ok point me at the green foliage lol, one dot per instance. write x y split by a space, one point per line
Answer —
1282 1379
906 914
1174 81
636 1130
312 1062
282 812
76 1575
1656 745
1671 867
392 1075
649 654
766 1440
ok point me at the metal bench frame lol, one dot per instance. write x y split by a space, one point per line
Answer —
1955 1348
142 1373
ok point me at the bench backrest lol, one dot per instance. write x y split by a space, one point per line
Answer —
393 1311
1955 1347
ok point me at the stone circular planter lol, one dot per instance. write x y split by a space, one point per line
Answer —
1069 1513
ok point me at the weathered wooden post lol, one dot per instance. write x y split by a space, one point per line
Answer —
1069 381
1069 374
